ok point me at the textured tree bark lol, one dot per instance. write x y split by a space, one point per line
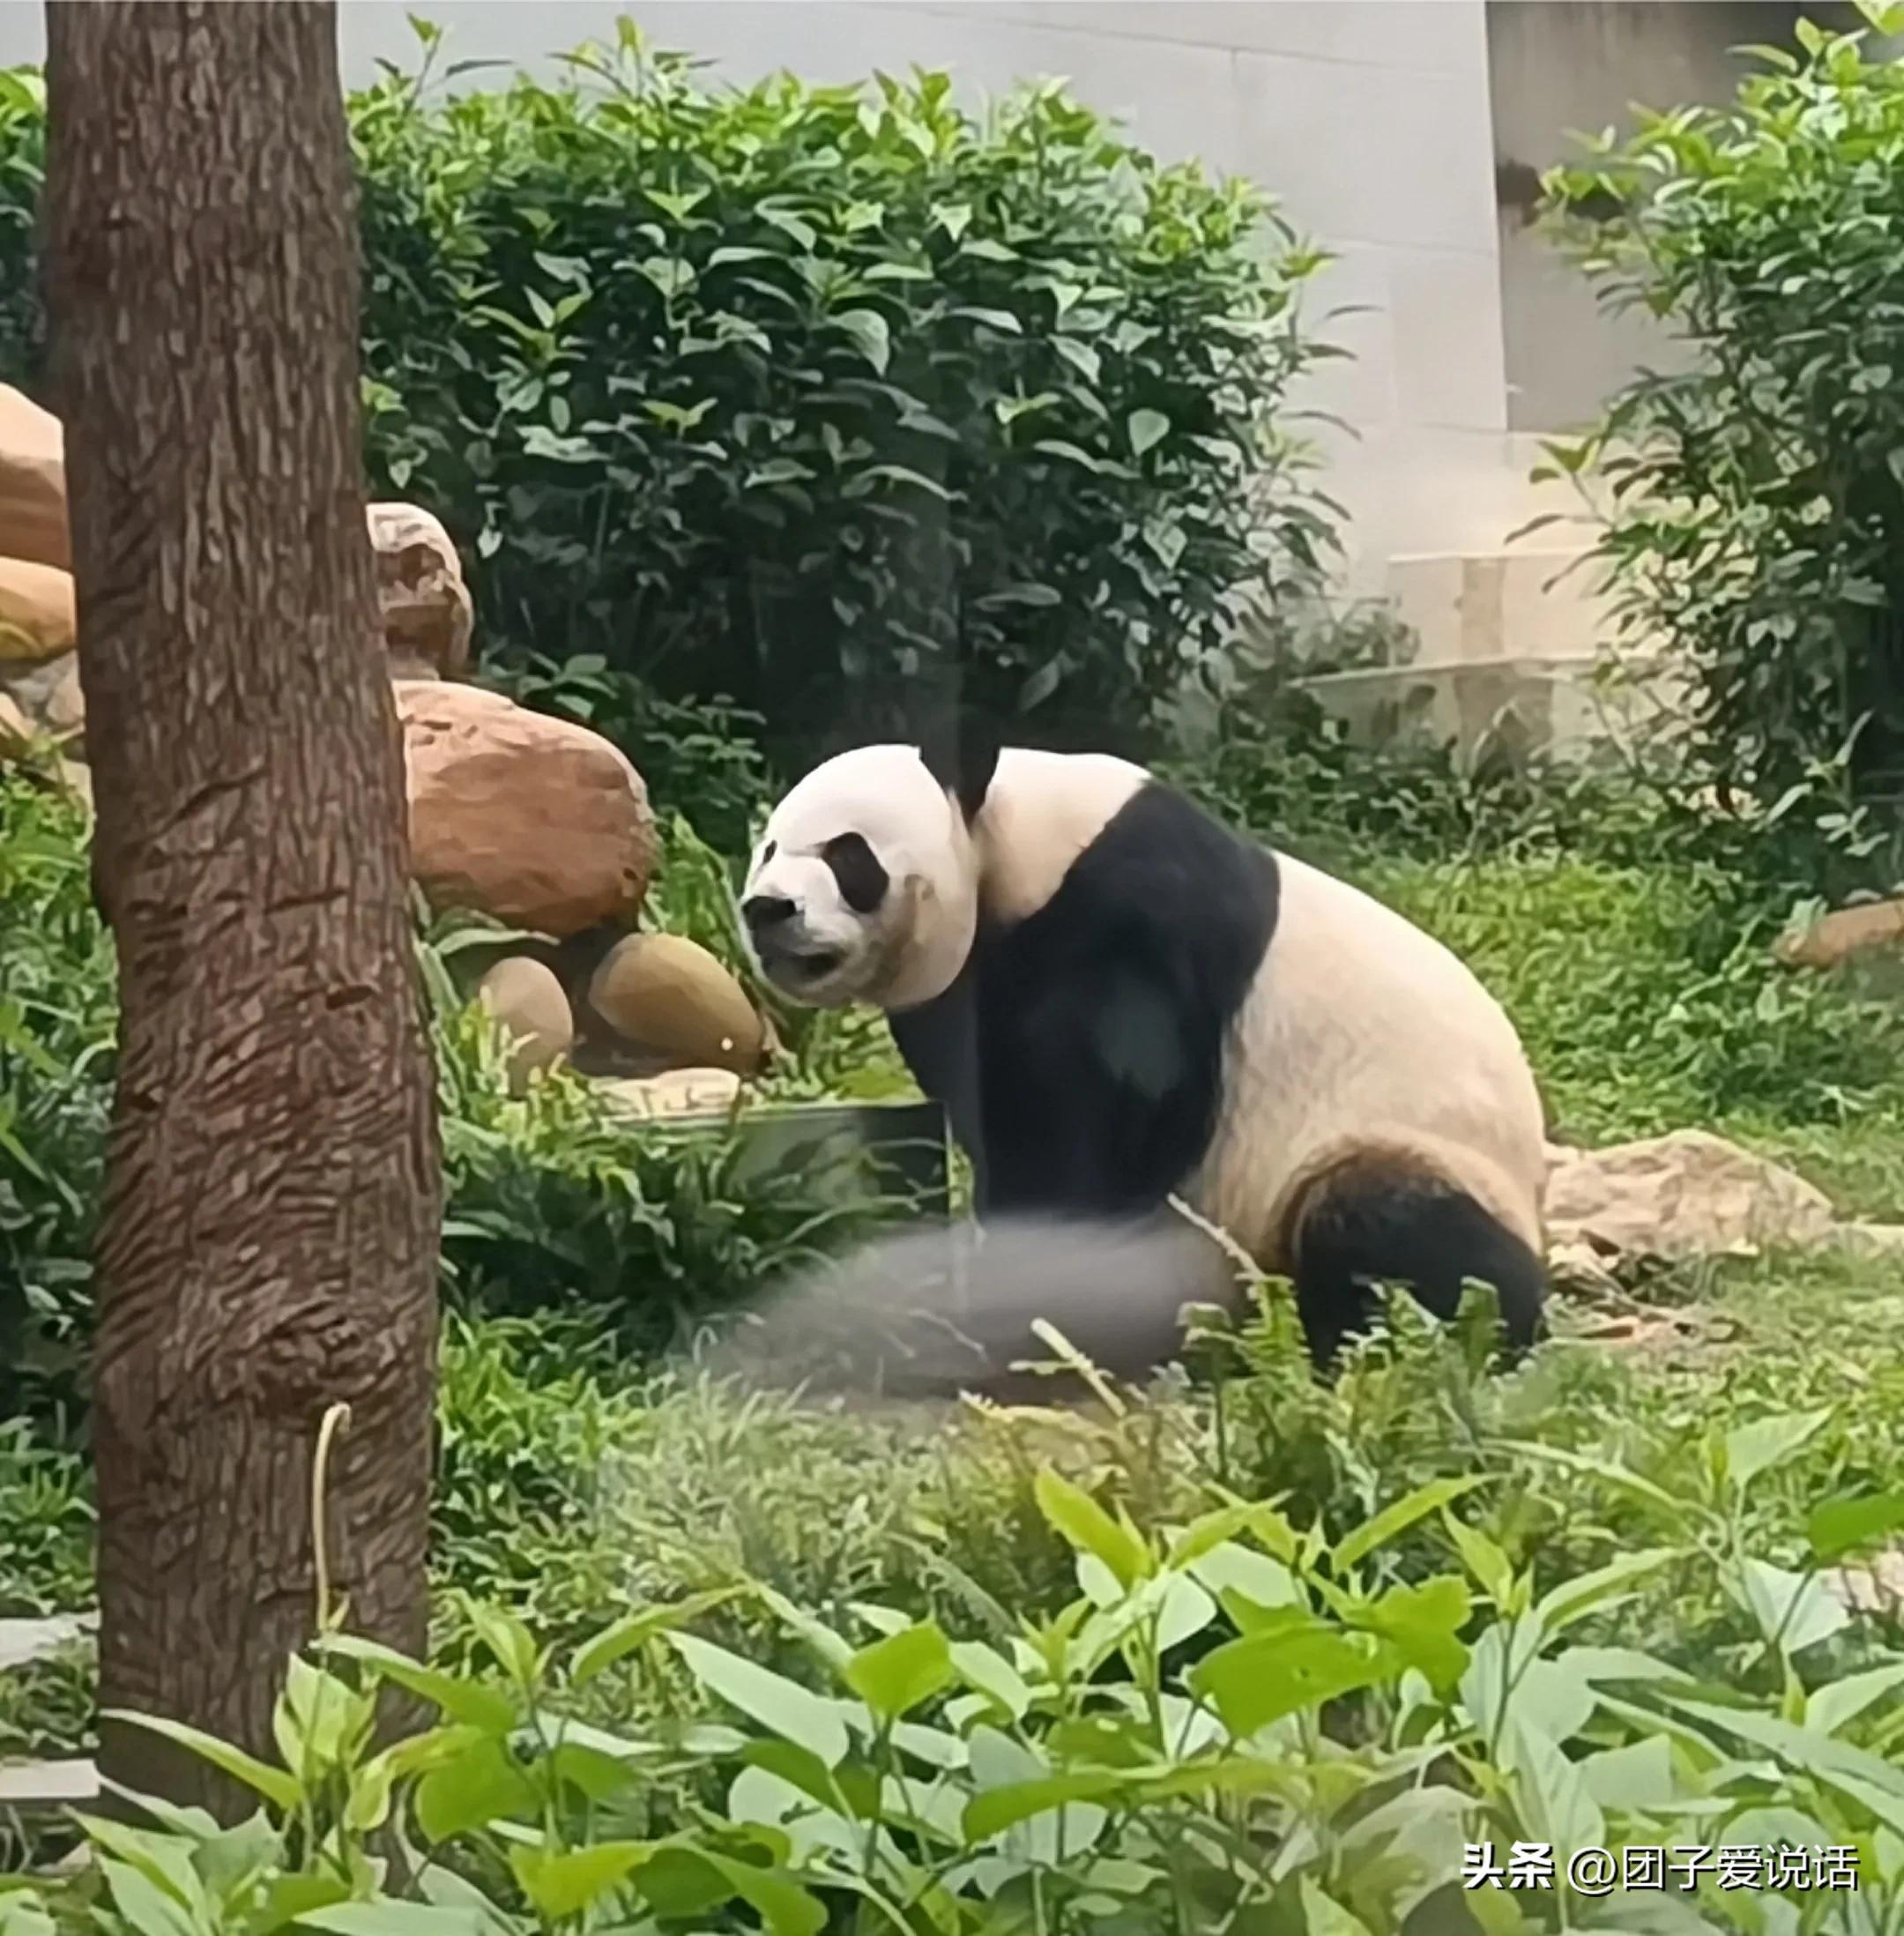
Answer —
268 1238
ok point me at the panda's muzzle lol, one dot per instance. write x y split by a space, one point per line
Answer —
772 930
764 913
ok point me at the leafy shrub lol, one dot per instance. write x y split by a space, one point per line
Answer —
1756 523
57 1029
22 178
810 395
1231 1721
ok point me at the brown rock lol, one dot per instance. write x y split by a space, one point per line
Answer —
36 612
425 604
670 995
529 1006
49 695
1686 1196
1835 938
678 1092
17 731
33 483
532 821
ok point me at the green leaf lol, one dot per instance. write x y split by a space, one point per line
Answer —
1751 1450
1323 1916
562 1883
1555 1803
1793 1609
1085 1524
1839 1703
22 1912
1294 1662
1001 1808
141 1905
1081 356
1148 428
388 1918
275 1785
472 1789
787 1908
1573 1599
1002 320
633 1630
1392 1520
780 1705
1483 1557
1628 1779
293 1898
869 331
897 1673
1423 1623
988 1670
1040 686
1842 1526
465 1700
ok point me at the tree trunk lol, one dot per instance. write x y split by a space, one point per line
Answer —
268 1237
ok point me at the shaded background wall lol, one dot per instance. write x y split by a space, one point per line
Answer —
1556 68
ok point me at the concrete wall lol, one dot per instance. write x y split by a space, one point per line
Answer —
1369 117
1559 68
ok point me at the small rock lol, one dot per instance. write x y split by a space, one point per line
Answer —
529 1006
1871 1586
680 1092
671 996
1680 1196
532 821
425 604
1847 931
23 1641
33 482
17 731
47 694
36 612
1872 1241
47 1787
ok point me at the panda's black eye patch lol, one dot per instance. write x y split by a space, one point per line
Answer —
862 880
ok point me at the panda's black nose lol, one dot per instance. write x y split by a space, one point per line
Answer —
764 910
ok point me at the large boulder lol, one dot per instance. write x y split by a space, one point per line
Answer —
1686 1196
425 604
533 820
668 995
33 483
36 612
1845 932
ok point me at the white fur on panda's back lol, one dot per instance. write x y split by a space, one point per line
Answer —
1362 1031
1041 812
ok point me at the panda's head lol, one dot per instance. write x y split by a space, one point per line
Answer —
865 886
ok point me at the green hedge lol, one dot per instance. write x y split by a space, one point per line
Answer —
813 396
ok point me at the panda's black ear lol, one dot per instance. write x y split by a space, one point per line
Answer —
961 754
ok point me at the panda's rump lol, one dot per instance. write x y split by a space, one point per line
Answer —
1364 1035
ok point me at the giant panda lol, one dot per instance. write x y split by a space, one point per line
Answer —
1119 1001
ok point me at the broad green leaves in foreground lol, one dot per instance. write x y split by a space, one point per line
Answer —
1235 1724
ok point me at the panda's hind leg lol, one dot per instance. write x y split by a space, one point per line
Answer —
1373 1221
